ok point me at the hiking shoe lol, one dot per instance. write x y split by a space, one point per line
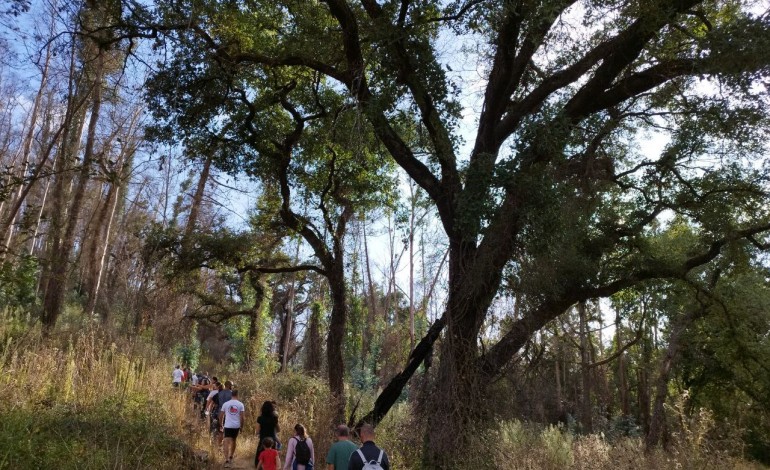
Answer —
228 464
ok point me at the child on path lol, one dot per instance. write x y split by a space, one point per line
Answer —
268 458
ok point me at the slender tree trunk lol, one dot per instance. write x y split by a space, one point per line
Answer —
411 266
557 376
586 413
289 318
56 289
391 268
625 405
197 201
289 325
371 300
26 151
643 397
112 200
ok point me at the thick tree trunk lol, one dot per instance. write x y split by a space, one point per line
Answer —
334 340
288 320
54 276
451 406
255 321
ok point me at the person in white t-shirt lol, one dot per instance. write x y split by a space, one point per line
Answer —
230 419
177 374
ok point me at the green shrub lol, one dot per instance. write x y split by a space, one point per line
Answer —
18 283
558 446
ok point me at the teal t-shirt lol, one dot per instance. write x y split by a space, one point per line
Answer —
339 454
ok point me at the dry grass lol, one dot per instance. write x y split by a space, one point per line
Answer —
95 401
553 448
86 402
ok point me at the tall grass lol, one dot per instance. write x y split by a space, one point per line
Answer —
515 445
87 402
93 401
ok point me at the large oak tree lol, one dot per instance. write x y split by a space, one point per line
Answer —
553 198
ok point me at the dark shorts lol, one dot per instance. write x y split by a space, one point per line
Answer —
232 432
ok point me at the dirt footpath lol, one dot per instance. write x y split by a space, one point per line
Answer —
241 461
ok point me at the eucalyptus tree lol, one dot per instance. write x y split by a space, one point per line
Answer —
93 62
554 191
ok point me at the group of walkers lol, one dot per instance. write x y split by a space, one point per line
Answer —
220 404
300 453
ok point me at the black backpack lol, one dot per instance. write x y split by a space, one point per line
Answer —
302 452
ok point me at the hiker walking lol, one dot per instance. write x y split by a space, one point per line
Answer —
201 391
177 376
339 453
226 394
267 426
231 418
213 407
300 454
369 453
268 459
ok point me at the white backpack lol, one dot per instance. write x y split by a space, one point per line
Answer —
371 465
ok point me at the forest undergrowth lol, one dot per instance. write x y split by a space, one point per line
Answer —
86 399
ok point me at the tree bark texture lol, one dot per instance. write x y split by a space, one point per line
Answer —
56 288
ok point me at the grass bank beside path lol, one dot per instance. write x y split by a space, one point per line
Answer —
88 403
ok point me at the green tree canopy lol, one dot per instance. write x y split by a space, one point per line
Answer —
557 186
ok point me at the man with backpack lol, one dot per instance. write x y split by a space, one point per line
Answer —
369 456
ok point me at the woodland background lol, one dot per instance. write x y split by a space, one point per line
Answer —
520 233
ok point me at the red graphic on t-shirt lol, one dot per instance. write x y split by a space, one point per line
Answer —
233 409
